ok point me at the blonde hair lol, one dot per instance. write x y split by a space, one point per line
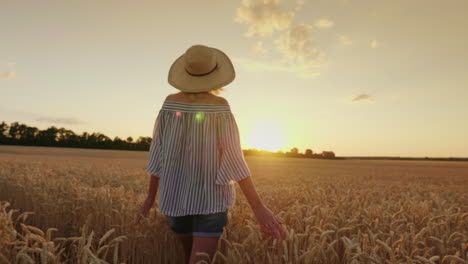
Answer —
216 91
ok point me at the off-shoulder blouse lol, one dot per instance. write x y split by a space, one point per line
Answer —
196 153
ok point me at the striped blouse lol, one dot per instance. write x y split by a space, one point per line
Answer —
196 153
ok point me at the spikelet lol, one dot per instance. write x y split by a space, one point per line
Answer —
220 255
456 259
105 236
387 248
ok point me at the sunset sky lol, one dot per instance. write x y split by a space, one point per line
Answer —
359 77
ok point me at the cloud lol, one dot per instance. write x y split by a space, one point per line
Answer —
9 75
259 66
297 54
299 5
345 40
324 23
295 50
301 70
362 97
260 48
374 44
297 45
59 120
263 17
6 71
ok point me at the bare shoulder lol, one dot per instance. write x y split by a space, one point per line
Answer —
171 97
220 100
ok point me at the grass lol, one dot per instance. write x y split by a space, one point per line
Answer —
334 211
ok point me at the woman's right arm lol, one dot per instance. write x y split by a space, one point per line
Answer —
268 222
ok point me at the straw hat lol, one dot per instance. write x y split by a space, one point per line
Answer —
201 69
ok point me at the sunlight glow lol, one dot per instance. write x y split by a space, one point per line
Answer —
267 136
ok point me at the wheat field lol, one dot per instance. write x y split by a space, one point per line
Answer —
78 206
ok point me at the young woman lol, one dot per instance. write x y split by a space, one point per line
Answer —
195 156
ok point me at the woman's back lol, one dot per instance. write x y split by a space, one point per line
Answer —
197 155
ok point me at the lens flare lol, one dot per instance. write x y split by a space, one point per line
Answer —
199 116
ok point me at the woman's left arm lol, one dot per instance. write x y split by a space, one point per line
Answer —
153 190
153 187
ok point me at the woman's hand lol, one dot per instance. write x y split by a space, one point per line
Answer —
269 224
144 209
153 190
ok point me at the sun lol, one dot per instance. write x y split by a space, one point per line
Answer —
267 136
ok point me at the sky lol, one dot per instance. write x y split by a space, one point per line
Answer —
358 77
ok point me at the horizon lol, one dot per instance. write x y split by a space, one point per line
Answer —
314 151
326 75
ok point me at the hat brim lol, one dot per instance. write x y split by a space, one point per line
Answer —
221 76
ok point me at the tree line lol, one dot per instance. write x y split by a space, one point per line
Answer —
22 134
293 153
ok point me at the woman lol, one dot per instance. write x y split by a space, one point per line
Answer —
195 156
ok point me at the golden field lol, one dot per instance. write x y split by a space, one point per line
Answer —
334 211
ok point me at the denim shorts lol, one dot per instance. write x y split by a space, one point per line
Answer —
209 225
